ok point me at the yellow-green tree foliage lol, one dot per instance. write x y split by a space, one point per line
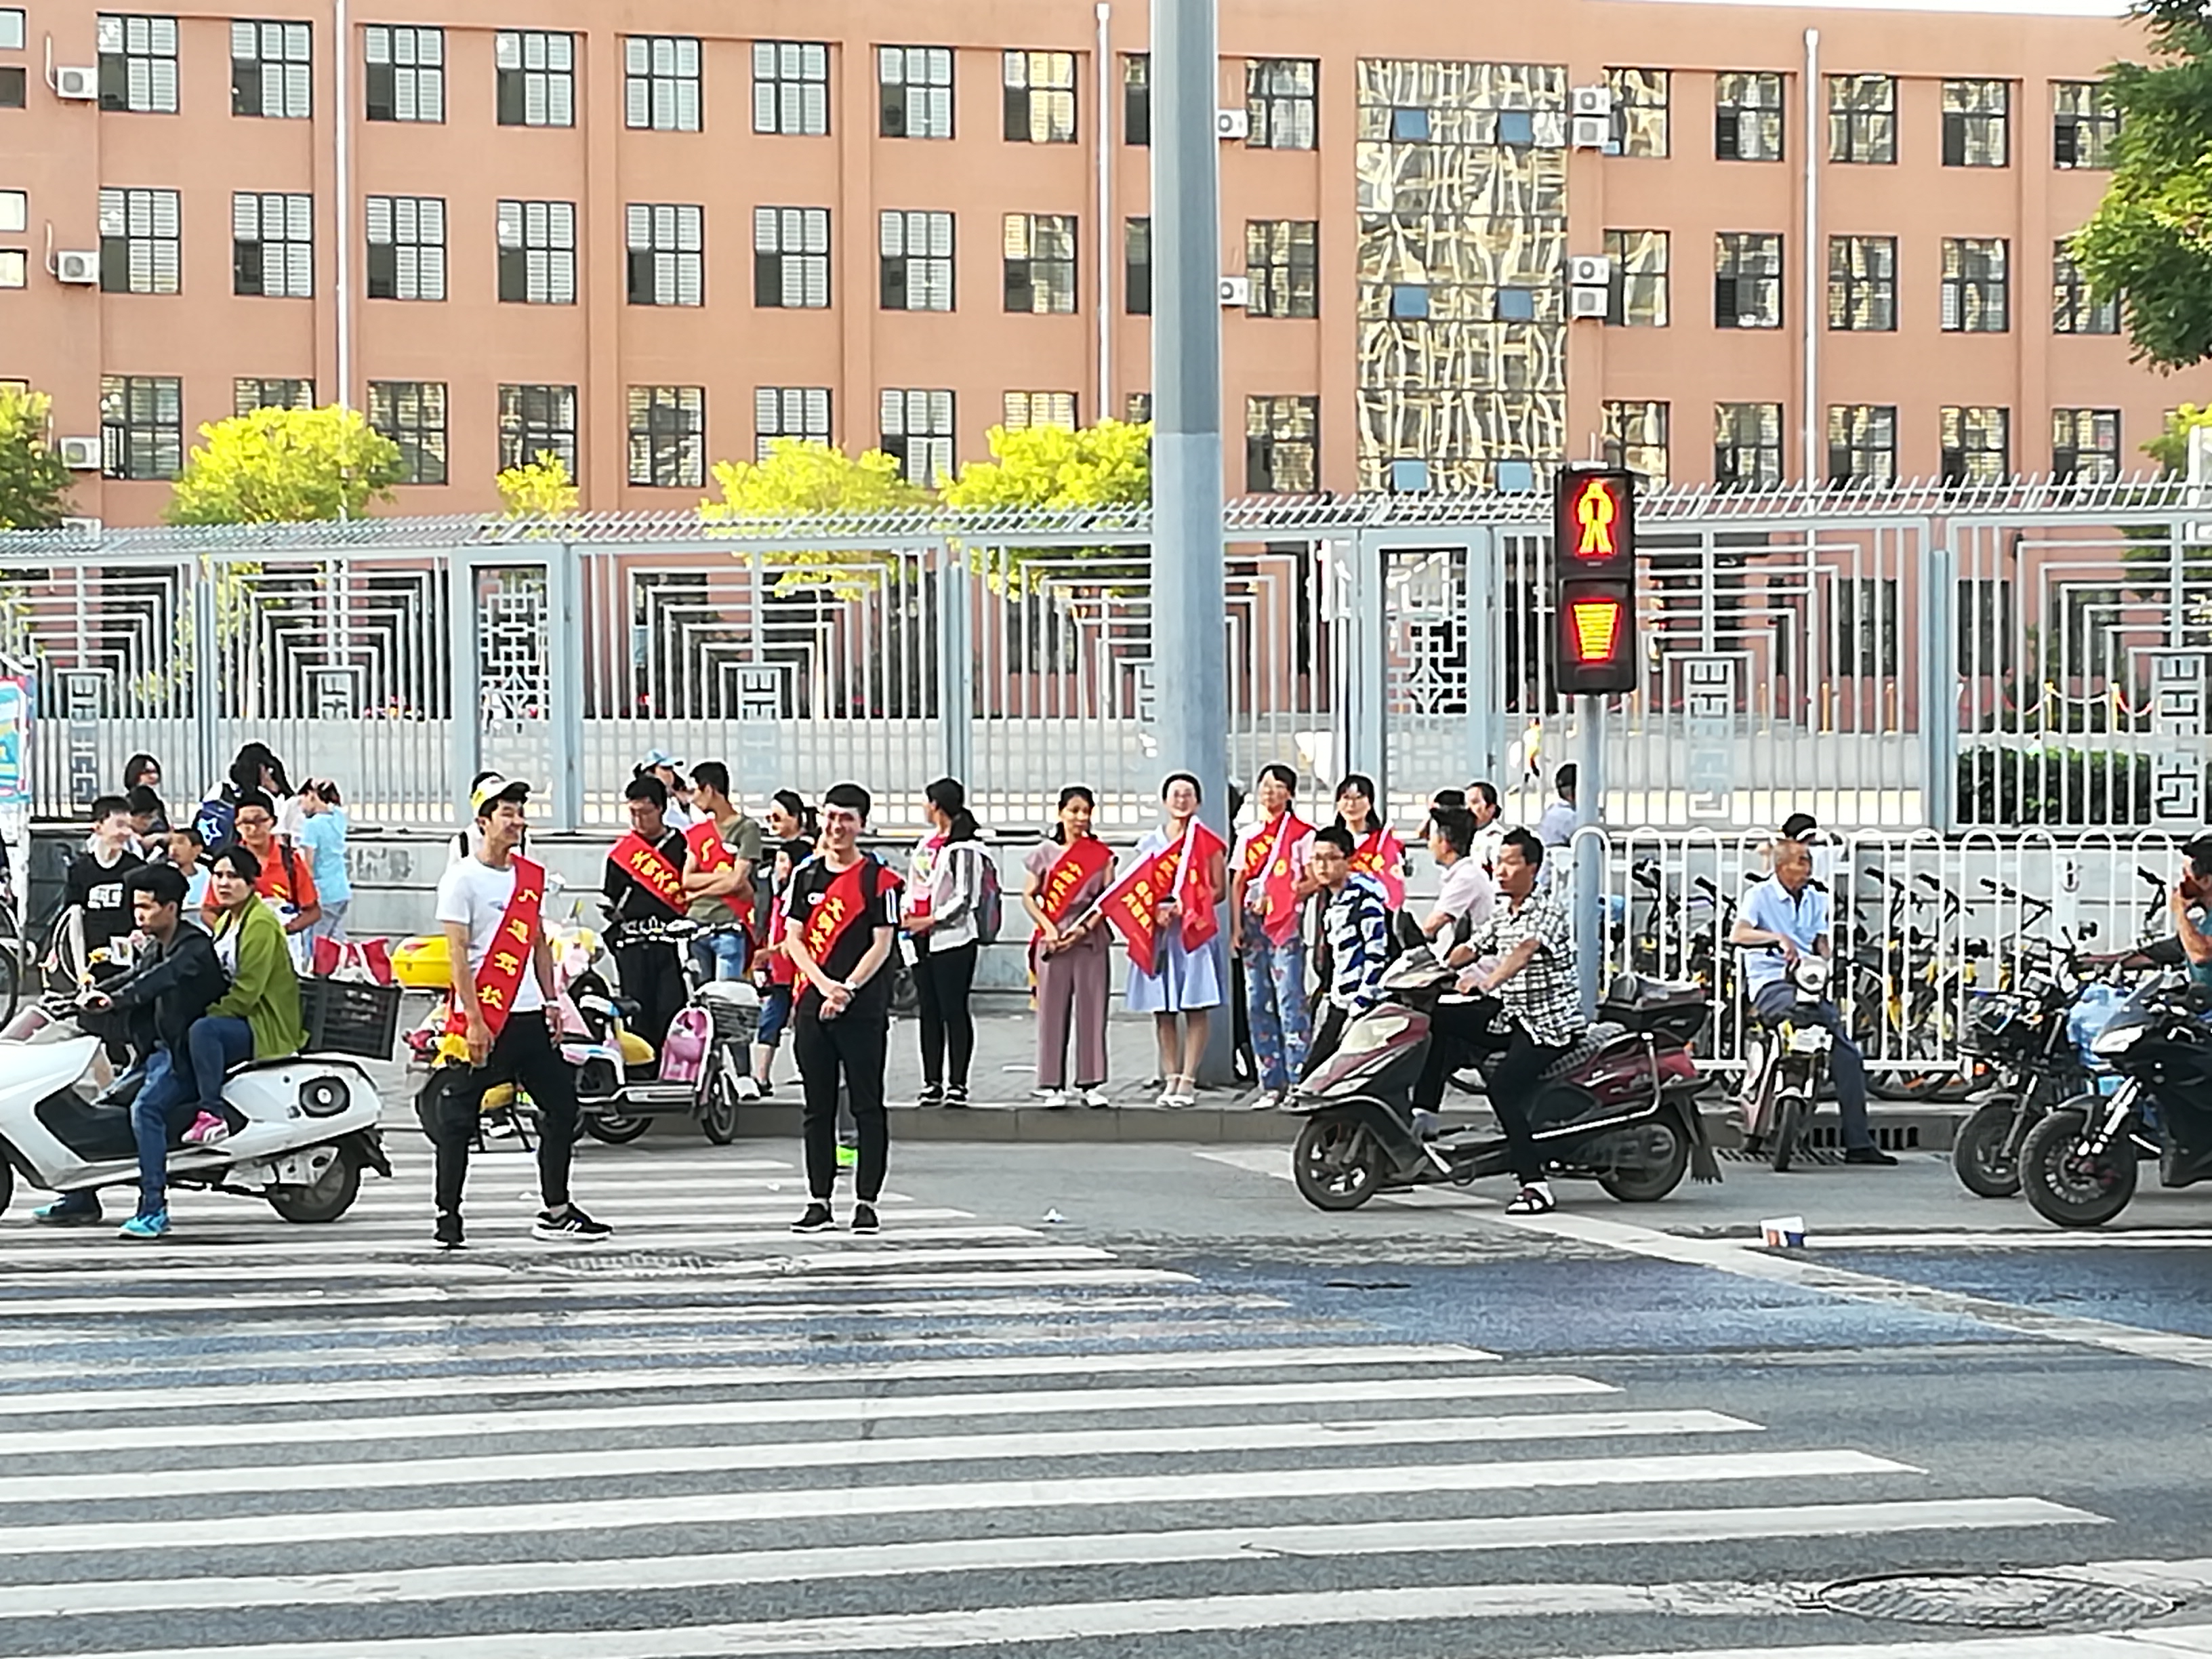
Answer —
34 485
1107 464
281 465
801 475
538 489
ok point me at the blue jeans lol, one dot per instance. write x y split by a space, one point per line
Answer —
163 1111
720 956
217 1042
1275 998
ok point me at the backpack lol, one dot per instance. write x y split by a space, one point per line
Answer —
990 901
217 821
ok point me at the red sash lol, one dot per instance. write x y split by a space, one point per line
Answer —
1131 905
1278 903
1195 896
1071 872
781 970
639 858
839 907
705 841
508 959
1379 856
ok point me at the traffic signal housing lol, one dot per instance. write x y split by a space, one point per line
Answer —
1593 582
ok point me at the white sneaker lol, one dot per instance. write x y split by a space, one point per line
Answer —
1267 1100
1096 1098
1057 1100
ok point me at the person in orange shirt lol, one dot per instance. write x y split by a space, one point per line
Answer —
287 883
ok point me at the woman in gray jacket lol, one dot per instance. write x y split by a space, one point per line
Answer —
945 884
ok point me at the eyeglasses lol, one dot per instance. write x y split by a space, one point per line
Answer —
254 820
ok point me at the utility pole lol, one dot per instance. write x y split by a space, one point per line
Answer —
1190 666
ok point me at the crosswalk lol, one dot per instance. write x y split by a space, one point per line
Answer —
709 1437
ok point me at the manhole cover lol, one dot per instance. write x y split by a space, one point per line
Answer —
1995 1602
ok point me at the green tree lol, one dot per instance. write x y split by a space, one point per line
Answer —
2170 449
283 465
34 485
801 476
2151 239
538 489
1109 464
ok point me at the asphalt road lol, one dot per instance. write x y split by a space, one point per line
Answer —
1092 1401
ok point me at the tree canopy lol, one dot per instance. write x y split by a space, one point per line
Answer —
2170 449
34 485
1103 465
277 465
802 476
539 489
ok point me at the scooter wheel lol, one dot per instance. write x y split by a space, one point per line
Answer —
718 1112
617 1131
1982 1151
1667 1160
330 1196
2070 1188
1337 1164
1791 1112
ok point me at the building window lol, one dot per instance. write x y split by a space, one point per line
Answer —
537 253
1862 444
2073 308
139 242
137 64
272 246
412 414
1137 267
270 70
790 87
1282 446
249 394
660 84
2085 444
14 85
1137 408
1137 97
1747 280
1636 438
1639 278
789 412
1748 118
15 212
406 247
11 28
142 426
406 73
1024 410
666 240
1040 97
1040 261
917 433
916 250
1863 283
790 258
1747 445
1974 287
1639 112
14 267
537 78
536 420
1976 444
1282 260
914 84
1862 644
1977 124
2084 122
1863 119
1280 102
668 436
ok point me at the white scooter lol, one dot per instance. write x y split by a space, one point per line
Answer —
311 1125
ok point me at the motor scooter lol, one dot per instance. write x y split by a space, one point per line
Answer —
1618 1109
310 1129
1785 1058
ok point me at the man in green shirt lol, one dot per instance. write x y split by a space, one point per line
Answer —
723 848
258 1017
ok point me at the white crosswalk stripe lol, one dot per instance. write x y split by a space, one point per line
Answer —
709 1437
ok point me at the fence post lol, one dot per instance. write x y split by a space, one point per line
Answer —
566 648
1939 683
1486 702
207 671
1367 735
956 662
464 661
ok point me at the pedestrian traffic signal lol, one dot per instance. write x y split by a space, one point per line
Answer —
1593 582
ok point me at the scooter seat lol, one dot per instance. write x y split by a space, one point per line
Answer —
1593 1040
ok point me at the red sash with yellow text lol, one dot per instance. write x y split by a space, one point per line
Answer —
840 904
646 865
1278 903
1071 872
705 841
1381 856
500 976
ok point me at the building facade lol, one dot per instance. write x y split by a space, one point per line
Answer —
1731 242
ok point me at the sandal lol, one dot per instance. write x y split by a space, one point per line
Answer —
1532 1200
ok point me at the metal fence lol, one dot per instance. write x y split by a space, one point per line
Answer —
2029 653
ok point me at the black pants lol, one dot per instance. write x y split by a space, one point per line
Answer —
1512 1090
652 977
1459 1035
943 979
850 1047
524 1053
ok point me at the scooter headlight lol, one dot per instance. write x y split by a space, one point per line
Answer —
2111 1043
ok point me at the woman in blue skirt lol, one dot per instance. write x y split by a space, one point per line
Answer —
1185 982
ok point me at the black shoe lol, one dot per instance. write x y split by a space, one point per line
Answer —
816 1220
864 1219
956 1095
571 1226
933 1094
449 1232
1867 1155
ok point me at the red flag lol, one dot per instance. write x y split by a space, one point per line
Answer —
1382 856
1194 890
1131 905
1279 904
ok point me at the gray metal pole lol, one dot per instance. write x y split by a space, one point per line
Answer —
1190 666
1591 917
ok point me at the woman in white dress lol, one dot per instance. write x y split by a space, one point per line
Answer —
1184 985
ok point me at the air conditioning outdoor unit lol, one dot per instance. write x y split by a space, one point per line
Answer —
1590 100
1236 290
1589 270
1590 132
77 524
1585 304
78 265
1232 124
76 82
80 454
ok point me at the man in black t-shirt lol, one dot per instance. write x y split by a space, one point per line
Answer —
93 885
843 914
644 882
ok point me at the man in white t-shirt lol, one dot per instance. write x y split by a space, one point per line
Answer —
1466 896
491 907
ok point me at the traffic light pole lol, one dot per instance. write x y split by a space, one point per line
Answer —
1590 918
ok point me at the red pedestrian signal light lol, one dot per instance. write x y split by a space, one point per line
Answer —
1593 582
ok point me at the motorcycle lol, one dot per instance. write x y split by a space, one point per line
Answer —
1785 1060
1618 1109
310 1129
2078 1166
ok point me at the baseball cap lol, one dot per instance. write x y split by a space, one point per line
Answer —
497 788
659 758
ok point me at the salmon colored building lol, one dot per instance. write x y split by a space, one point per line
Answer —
1743 242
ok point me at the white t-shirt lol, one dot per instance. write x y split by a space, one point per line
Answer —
1465 892
475 894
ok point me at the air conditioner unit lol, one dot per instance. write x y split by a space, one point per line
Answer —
1589 270
1232 124
1590 100
78 83
1236 290
1590 132
79 454
78 265
1587 303
77 525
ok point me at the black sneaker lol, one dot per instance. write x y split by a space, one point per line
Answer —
816 1220
864 1219
449 1232
1867 1155
933 1094
572 1226
957 1095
